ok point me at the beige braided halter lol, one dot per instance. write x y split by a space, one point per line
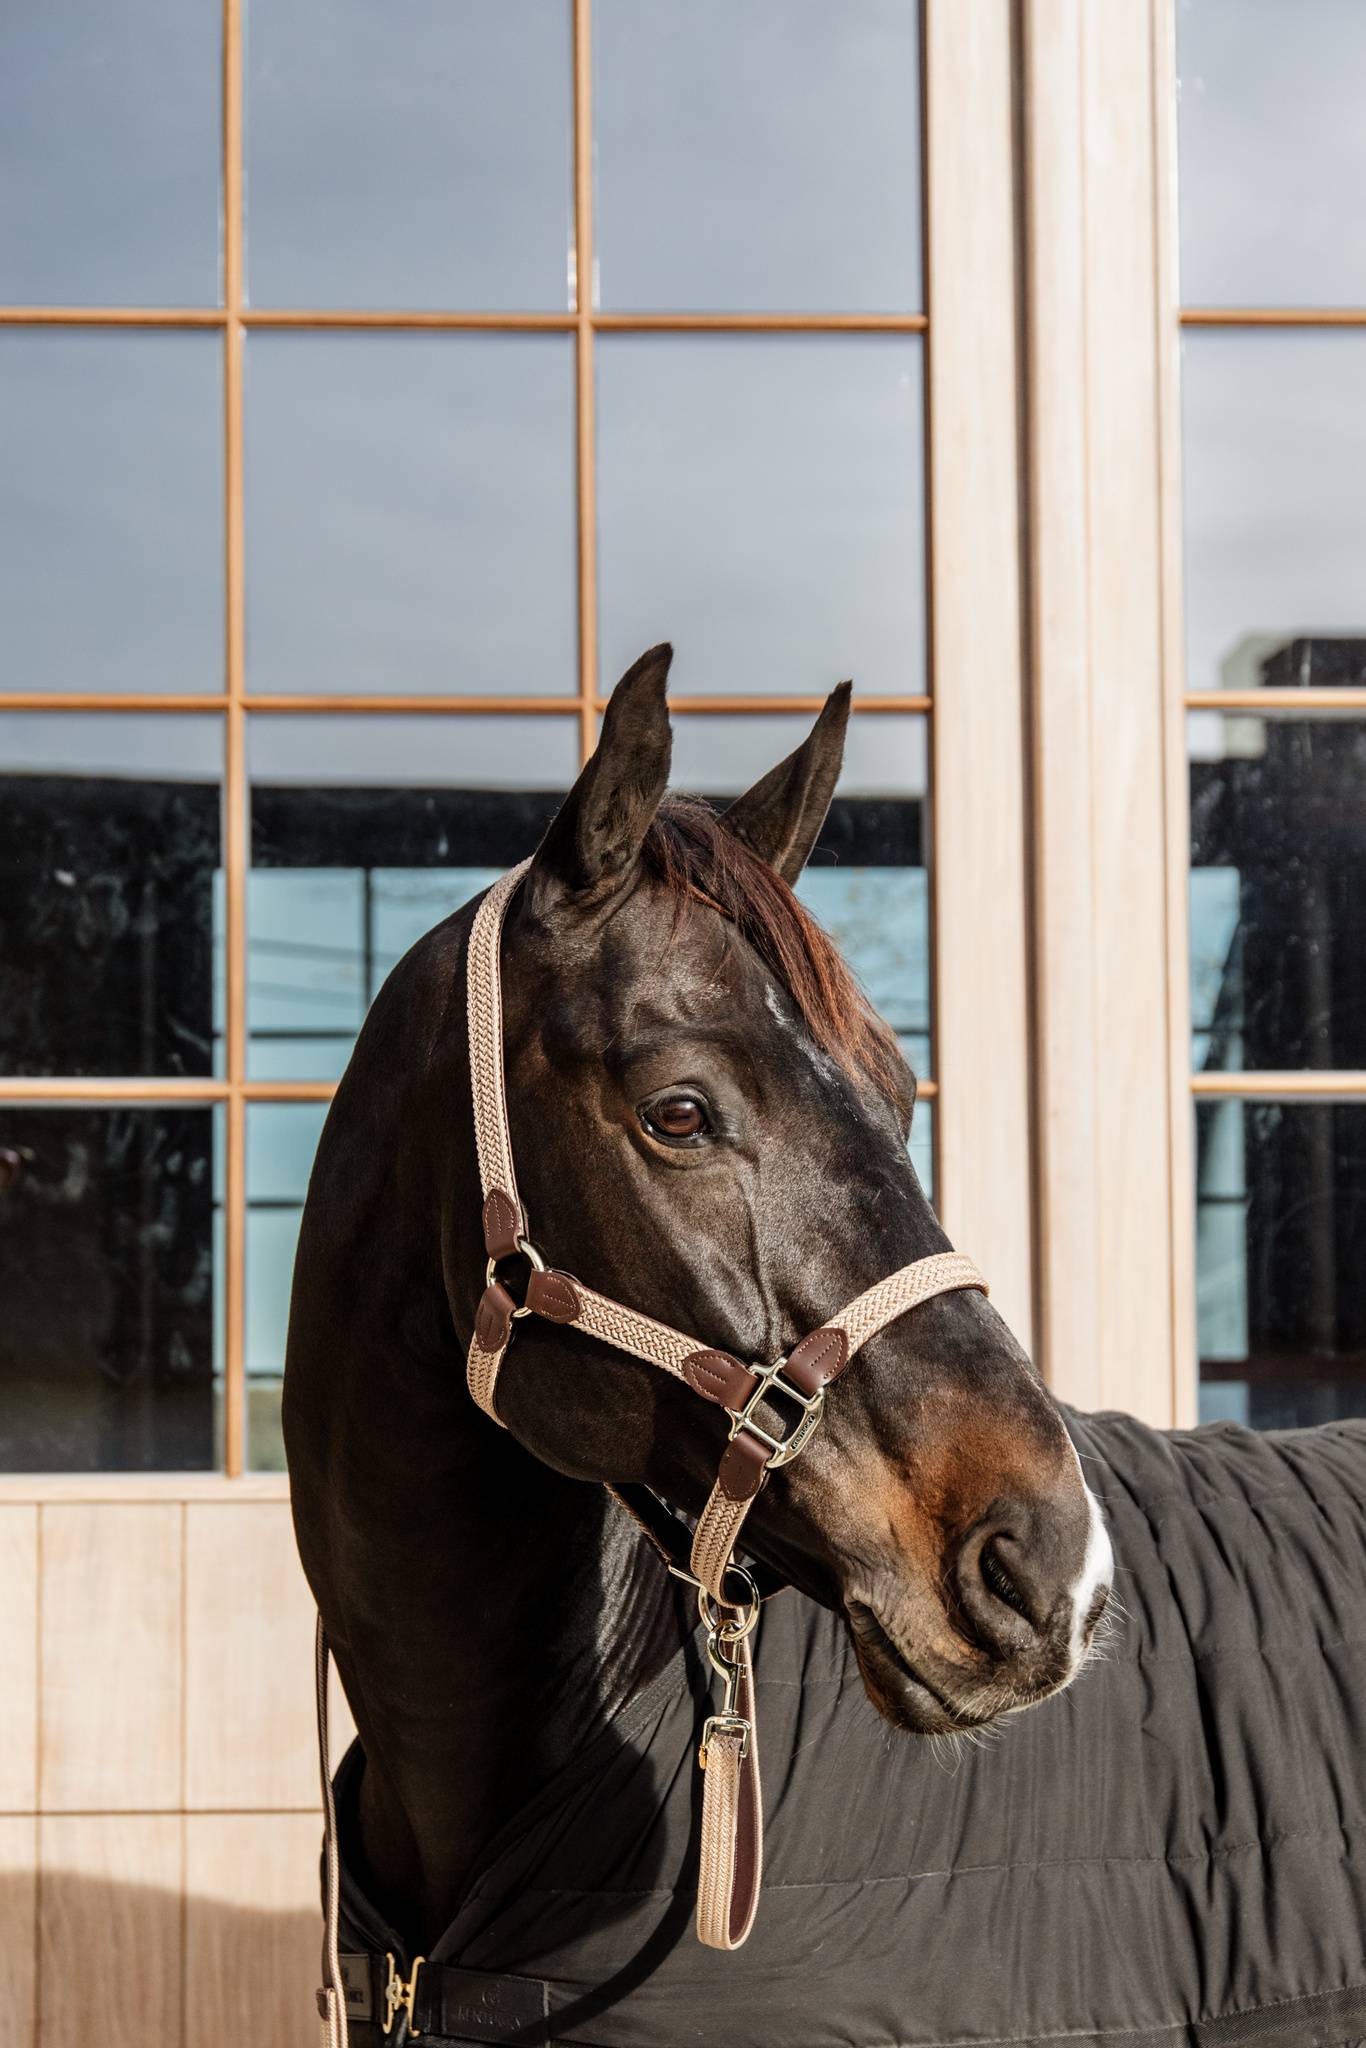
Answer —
732 1815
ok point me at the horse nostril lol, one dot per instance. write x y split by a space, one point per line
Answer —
1004 1579
999 1581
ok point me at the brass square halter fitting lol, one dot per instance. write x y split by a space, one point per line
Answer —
783 1449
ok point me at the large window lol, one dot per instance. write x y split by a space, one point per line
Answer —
374 386
1273 275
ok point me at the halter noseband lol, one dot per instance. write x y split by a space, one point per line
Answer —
732 1820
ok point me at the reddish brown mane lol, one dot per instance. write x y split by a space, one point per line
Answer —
699 861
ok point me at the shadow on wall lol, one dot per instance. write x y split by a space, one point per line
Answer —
133 1966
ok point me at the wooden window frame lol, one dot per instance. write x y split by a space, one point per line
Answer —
974 716
1115 1092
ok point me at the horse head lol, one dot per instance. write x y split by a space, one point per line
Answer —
711 1124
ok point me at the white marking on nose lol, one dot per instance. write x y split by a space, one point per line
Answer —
1097 1570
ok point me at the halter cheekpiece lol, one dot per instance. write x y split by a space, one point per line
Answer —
729 1594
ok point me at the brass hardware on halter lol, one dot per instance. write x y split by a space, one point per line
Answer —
528 1251
398 1996
723 1649
771 1381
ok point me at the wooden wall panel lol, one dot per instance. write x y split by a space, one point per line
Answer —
978 849
252 1929
19 1660
1102 692
109 1943
249 1725
18 1929
110 1659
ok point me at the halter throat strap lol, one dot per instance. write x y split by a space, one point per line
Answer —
792 1388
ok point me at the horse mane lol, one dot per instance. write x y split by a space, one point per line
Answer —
699 861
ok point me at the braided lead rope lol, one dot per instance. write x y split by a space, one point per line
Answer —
332 1999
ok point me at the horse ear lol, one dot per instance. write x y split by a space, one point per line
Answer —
595 837
781 817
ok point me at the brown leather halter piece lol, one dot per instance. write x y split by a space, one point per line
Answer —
732 1815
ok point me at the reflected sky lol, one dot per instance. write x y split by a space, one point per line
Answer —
410 513
761 504
374 751
111 510
1273 152
125 744
1275 521
760 157
415 154
883 756
110 152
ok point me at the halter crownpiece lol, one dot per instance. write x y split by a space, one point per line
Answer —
732 1816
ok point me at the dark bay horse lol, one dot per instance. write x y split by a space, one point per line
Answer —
710 1124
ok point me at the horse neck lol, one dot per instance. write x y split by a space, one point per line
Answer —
510 1614
488 1615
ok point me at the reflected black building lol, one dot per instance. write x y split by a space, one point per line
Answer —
110 1214
1288 815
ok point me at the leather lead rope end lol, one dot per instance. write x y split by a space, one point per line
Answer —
731 1863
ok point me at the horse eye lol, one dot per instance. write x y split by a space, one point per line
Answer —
677 1119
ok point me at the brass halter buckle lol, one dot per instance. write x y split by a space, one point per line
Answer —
771 1381
398 1996
533 1257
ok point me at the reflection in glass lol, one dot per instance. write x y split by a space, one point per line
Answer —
111 509
1273 152
365 832
1281 1219
110 153
410 514
762 505
922 1145
867 879
1275 442
764 157
110 830
108 1331
281 1140
416 159
1278 891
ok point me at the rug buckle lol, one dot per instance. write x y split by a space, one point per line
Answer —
398 1996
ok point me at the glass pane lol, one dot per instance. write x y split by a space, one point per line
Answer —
111 509
1273 152
762 505
1275 441
1278 891
411 514
108 1333
1281 1218
281 1140
110 153
867 880
365 832
110 829
410 157
762 157
922 1145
